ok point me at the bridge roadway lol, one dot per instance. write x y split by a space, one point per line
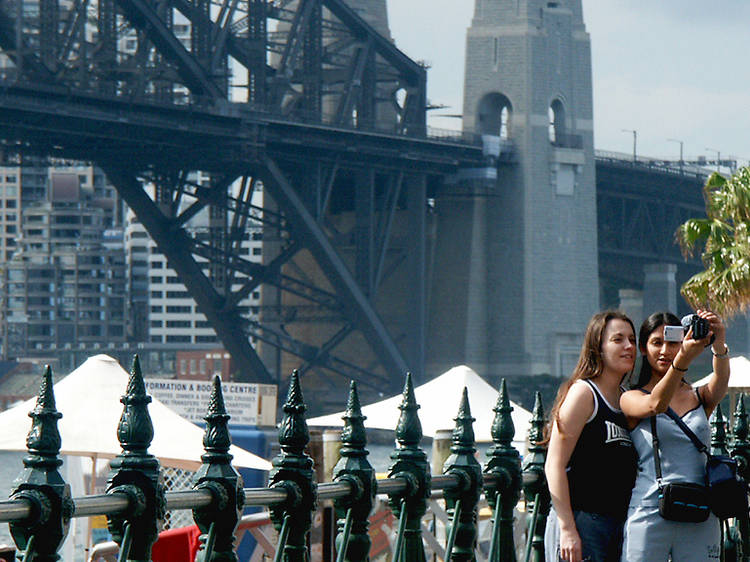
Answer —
85 126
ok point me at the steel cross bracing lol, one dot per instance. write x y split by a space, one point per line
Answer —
639 209
194 106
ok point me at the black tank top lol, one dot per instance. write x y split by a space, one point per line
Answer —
601 470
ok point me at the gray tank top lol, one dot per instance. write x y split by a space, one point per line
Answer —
680 460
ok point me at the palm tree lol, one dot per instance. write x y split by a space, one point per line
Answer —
724 236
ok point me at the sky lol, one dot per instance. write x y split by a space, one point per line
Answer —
667 69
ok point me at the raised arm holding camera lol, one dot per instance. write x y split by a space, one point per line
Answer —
670 462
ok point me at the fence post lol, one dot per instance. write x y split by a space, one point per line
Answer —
504 462
354 468
135 474
219 521
718 432
740 450
463 464
41 484
535 484
409 463
293 471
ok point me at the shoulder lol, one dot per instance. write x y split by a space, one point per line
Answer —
579 401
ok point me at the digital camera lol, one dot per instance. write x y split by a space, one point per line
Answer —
699 325
673 333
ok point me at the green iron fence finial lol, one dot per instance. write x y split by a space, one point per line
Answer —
218 522
135 431
409 428
410 464
43 441
462 502
136 474
216 439
293 471
535 483
718 432
504 491
740 450
354 468
40 483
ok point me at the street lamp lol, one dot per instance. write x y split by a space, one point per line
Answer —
718 158
635 137
681 146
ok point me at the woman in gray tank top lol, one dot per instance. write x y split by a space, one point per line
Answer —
648 536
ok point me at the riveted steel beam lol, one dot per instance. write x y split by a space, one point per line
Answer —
175 245
360 309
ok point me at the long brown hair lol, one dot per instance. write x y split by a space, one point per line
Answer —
590 363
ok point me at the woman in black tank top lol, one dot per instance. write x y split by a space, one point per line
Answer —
591 461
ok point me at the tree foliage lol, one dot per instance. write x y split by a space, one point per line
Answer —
723 238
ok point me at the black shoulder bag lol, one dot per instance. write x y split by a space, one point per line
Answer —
679 501
727 489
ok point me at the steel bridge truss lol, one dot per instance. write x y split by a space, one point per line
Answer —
195 106
639 211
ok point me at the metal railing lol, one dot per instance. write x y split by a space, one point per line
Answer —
40 506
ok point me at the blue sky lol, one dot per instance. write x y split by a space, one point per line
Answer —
669 69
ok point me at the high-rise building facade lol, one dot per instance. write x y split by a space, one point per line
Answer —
64 283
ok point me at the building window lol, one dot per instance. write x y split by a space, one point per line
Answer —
556 129
178 295
178 339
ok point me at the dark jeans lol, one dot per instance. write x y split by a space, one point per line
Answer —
601 536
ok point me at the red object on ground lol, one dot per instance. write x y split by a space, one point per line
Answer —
176 545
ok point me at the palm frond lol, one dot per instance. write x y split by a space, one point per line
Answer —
723 240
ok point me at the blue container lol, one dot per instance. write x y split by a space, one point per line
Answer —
258 442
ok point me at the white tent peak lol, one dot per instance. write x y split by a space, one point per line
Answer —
439 400
89 401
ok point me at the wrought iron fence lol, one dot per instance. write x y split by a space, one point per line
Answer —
40 506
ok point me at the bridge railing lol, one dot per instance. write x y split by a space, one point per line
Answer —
40 506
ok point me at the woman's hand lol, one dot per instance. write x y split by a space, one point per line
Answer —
570 544
716 328
690 349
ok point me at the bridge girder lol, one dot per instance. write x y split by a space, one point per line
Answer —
333 124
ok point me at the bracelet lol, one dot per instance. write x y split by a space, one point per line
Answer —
676 368
726 351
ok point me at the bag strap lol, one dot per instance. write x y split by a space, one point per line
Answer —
687 431
657 459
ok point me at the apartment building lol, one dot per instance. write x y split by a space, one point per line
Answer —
64 282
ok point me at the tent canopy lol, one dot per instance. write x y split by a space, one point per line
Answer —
439 400
739 374
89 401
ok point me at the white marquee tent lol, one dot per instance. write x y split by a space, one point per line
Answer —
439 400
739 381
89 400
